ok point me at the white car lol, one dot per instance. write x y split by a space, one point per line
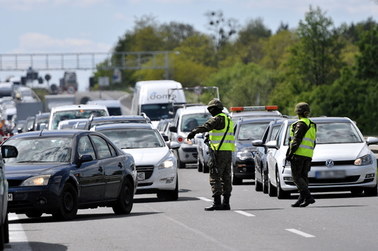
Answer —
342 159
65 112
185 120
155 161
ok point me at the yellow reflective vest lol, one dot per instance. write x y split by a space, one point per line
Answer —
306 148
216 136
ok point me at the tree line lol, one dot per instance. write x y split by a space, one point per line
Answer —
334 69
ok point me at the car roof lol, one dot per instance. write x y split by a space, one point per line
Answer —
325 119
77 107
123 126
193 109
49 133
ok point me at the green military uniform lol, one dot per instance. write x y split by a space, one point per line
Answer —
220 176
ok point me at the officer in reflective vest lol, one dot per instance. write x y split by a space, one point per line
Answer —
222 141
300 152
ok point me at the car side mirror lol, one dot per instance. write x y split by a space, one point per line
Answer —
85 158
173 129
272 144
174 145
8 151
257 142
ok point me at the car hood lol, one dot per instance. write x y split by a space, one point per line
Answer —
29 170
148 156
340 151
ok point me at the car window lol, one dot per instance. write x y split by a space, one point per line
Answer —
191 121
102 147
334 133
85 147
251 131
135 138
75 114
41 149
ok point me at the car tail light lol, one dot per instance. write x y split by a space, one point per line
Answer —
180 139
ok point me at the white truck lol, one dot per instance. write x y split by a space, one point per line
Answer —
156 99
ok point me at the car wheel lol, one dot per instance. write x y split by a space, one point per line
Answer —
68 204
199 165
371 191
205 168
169 195
272 191
281 194
6 230
125 199
258 184
34 214
264 181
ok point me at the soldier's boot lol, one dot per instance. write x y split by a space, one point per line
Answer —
300 200
308 199
217 205
226 202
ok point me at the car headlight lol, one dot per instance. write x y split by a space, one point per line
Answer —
41 180
244 155
364 160
168 163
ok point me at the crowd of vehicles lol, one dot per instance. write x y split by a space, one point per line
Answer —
78 156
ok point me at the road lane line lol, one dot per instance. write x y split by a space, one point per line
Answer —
204 199
17 236
303 234
244 213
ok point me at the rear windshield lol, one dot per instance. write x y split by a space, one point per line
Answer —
76 114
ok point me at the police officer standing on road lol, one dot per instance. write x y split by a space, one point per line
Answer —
300 152
220 127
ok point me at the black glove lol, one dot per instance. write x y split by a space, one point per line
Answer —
191 135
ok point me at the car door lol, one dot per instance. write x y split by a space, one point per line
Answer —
90 175
111 165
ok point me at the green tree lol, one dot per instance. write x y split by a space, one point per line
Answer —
316 57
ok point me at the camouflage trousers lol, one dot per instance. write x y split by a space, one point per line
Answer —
300 166
220 179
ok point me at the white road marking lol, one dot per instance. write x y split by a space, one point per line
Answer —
244 213
295 231
204 199
17 236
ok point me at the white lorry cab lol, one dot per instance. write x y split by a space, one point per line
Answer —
156 99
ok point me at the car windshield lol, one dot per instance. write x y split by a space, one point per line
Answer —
251 131
135 138
41 149
191 121
75 114
334 133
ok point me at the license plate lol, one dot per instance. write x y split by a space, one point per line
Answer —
331 174
141 176
10 196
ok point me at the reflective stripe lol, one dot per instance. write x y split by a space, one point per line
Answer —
220 133
224 141
308 147
308 139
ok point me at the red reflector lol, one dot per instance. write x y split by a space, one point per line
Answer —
180 139
271 107
236 109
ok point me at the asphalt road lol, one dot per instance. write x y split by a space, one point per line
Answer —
337 221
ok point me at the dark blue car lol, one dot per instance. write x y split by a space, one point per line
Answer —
59 172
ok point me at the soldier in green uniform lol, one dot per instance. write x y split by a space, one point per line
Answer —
300 152
222 141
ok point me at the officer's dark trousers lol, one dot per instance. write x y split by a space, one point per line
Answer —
220 181
300 166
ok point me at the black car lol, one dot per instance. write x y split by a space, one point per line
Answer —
59 172
247 130
259 157
4 229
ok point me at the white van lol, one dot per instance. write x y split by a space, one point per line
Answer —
156 98
60 113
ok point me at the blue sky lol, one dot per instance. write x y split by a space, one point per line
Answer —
33 26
